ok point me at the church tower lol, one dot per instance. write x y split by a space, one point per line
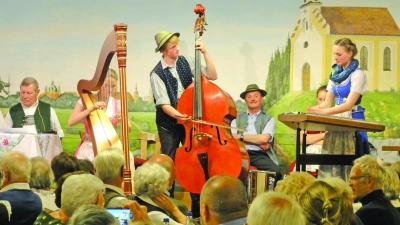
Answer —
136 95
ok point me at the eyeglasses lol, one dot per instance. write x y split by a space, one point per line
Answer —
353 178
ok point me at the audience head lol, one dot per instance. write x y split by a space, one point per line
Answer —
222 199
321 94
396 167
274 208
92 215
86 165
295 184
60 182
166 162
151 180
341 187
64 163
81 189
391 183
321 204
109 164
29 91
16 168
41 173
365 176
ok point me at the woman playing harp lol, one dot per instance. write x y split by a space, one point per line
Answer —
106 102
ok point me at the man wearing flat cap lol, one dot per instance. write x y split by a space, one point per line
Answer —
169 78
259 129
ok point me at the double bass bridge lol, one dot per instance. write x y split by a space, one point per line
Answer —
202 137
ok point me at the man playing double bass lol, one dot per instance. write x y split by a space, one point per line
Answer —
169 78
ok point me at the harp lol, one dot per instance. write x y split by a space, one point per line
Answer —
103 133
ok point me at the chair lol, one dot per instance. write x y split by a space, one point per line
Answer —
391 148
146 138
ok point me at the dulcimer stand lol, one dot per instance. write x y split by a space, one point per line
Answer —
307 121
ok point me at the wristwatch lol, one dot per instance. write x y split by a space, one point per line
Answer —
241 137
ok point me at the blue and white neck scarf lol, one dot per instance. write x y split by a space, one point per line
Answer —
338 75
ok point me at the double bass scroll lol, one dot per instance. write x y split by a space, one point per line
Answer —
103 133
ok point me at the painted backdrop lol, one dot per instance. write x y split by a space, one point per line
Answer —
58 42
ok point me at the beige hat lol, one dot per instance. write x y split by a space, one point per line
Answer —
163 37
252 87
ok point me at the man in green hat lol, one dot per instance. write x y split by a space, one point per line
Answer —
259 129
169 79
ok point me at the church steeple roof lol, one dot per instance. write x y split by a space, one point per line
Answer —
360 21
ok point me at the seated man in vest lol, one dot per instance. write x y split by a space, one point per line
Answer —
32 114
259 129
109 165
25 204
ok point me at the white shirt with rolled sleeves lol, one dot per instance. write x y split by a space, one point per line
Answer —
158 87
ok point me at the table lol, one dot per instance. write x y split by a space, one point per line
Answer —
32 145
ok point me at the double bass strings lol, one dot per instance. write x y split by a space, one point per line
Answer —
210 123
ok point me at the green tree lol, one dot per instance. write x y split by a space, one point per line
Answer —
3 86
13 99
278 80
66 101
49 100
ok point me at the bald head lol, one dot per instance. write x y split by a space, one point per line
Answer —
166 162
225 197
161 158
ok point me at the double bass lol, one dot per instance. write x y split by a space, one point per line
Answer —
103 133
209 148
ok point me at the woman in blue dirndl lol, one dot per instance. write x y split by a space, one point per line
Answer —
346 85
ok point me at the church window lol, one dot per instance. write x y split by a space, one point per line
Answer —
305 24
364 58
386 59
306 44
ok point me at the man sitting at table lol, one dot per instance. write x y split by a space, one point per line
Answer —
32 114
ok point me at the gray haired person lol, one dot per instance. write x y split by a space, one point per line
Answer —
109 166
92 215
77 190
40 182
151 181
16 170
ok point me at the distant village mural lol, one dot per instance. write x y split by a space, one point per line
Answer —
296 67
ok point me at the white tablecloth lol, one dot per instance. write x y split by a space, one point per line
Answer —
32 145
